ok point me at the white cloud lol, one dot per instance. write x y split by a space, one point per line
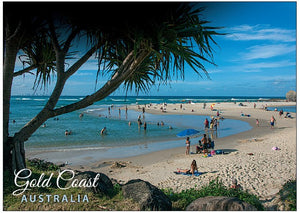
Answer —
259 32
268 51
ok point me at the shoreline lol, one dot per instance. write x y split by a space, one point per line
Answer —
262 173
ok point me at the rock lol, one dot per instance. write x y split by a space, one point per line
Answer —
146 195
118 165
219 203
103 185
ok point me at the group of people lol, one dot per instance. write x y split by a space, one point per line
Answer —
204 144
213 124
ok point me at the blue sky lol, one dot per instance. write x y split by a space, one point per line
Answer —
256 58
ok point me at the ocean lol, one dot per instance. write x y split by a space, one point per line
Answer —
86 131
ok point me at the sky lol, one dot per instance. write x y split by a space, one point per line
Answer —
256 57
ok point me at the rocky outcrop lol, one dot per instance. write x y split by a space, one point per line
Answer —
103 184
146 195
219 204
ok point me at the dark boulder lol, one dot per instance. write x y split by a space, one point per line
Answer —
146 195
219 204
103 185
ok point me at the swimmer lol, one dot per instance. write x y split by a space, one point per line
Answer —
67 132
103 131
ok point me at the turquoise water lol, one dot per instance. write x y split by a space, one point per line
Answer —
284 108
119 133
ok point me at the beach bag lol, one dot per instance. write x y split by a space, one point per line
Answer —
213 152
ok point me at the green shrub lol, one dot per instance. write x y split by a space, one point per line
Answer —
288 195
215 188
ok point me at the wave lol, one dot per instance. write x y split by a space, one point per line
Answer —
69 99
93 110
39 99
149 99
118 100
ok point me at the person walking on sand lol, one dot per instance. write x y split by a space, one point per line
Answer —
272 122
257 123
188 146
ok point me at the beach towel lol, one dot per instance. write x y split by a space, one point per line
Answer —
182 173
218 152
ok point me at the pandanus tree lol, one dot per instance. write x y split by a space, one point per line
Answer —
136 44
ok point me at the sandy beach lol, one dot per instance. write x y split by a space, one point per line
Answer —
249 155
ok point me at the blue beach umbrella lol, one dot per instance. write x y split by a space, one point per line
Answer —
187 132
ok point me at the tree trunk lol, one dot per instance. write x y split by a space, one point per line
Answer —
11 50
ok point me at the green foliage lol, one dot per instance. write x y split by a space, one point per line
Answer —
288 195
214 188
42 165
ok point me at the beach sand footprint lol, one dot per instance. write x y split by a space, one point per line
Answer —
251 140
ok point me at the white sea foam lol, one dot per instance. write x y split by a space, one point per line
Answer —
39 99
69 99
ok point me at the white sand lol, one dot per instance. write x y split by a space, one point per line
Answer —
262 173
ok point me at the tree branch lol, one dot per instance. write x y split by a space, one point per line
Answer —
70 39
53 36
26 70
127 68
17 30
81 61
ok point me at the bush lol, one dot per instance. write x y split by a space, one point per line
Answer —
215 188
288 195
291 96
42 165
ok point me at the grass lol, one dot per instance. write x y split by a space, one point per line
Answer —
214 188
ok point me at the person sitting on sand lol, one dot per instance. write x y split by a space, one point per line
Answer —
103 131
192 171
199 148
288 115
235 185
211 144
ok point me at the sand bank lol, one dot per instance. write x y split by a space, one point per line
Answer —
250 159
